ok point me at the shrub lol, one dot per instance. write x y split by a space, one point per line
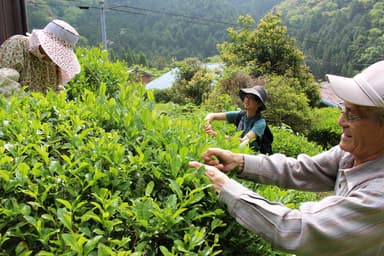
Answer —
163 95
287 105
193 81
100 175
97 70
325 131
291 144
218 102
104 175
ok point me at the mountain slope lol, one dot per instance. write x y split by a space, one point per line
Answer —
159 29
337 36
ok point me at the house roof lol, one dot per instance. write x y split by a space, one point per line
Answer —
327 95
137 70
166 80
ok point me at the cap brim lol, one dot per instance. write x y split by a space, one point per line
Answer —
348 90
245 91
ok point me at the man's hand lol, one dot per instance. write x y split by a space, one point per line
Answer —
217 178
224 160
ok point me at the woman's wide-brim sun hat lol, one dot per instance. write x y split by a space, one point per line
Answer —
58 39
256 90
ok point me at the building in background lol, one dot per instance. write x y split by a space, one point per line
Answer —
166 80
13 18
137 74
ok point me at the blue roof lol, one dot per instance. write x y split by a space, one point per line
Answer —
166 80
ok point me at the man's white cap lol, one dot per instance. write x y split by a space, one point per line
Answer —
365 88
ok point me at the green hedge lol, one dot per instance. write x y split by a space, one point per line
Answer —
101 175
325 130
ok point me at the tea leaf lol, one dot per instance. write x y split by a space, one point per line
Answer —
64 202
149 188
65 218
91 244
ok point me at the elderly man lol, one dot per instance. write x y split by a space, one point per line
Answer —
350 222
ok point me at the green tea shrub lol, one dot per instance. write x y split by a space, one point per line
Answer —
104 175
97 69
288 143
101 176
109 176
325 131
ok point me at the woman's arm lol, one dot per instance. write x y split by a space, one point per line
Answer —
215 116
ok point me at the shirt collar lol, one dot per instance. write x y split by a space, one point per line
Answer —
364 172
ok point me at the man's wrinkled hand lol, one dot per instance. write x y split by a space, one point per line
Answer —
217 178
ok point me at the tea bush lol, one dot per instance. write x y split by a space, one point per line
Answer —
291 144
101 175
96 70
325 130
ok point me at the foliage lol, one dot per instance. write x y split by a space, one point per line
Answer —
325 131
217 101
286 105
96 176
104 175
97 70
230 83
265 50
338 37
130 57
289 143
268 50
193 80
154 32
163 95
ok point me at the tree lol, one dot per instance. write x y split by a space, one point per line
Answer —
193 81
268 50
286 106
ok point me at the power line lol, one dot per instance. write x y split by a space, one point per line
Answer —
130 12
142 11
195 18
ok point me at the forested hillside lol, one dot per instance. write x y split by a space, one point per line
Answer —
336 36
153 30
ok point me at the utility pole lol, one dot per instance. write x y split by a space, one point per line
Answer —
103 27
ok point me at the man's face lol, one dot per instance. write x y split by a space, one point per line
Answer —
362 136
